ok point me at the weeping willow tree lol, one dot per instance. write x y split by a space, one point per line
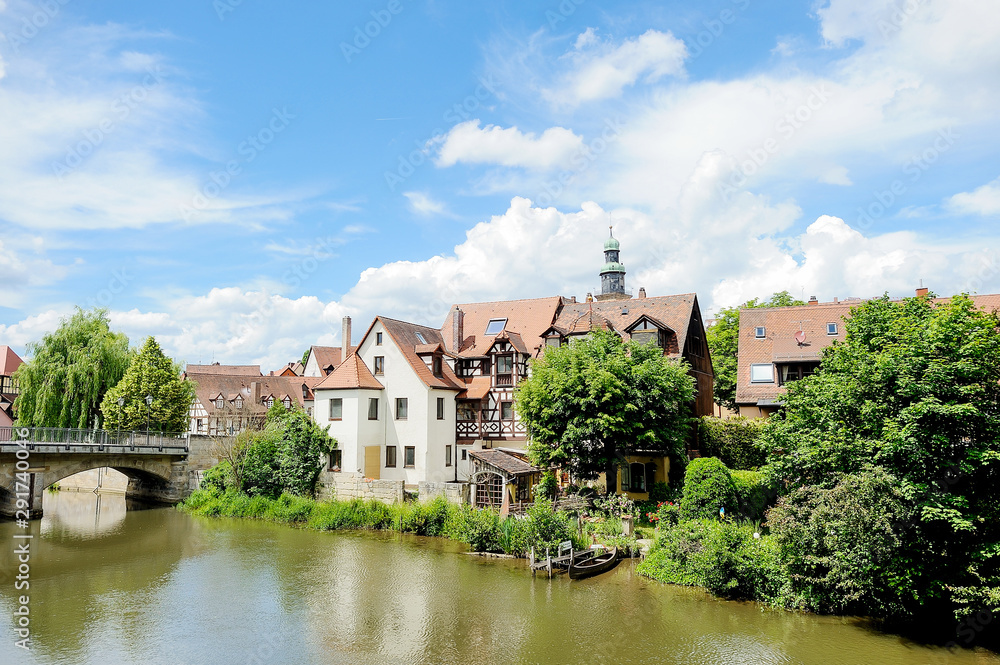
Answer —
69 372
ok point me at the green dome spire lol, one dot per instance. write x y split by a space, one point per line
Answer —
611 243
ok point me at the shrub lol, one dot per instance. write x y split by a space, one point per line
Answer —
661 491
547 528
547 486
616 505
708 486
260 464
219 477
753 494
845 548
300 453
736 441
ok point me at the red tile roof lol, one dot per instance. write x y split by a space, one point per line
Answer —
9 361
230 370
527 318
210 386
405 337
351 374
327 356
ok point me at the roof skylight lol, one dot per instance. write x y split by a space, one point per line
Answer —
495 326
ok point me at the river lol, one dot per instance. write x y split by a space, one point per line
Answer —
112 586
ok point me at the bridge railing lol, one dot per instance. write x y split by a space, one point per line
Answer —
92 437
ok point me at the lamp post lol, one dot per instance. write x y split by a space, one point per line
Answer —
149 403
121 404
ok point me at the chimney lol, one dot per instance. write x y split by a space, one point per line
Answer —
642 292
255 392
457 329
345 339
835 299
813 300
590 297
572 299
922 292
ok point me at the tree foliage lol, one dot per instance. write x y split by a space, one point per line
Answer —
588 404
69 372
300 453
150 372
723 343
736 441
708 487
912 392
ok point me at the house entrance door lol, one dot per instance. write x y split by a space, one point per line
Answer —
373 457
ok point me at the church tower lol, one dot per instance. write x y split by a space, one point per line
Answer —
613 272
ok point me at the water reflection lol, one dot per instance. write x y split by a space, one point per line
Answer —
116 586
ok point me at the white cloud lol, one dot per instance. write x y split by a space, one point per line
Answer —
601 70
468 143
836 175
422 204
983 200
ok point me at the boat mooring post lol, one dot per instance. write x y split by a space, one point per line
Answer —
548 557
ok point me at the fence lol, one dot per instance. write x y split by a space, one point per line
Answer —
92 437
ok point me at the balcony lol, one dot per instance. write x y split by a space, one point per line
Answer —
505 380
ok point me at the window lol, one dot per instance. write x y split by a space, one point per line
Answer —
401 408
287 402
336 408
420 338
378 339
795 371
466 411
436 365
552 341
760 332
239 402
219 402
506 410
409 456
831 329
636 477
440 408
373 408
335 458
495 326
390 457
269 402
447 455
465 454
505 364
201 425
380 364
762 373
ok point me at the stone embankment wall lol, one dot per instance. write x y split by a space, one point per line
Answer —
453 492
347 486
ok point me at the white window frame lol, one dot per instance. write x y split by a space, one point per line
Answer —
339 403
760 332
756 368
501 322
832 329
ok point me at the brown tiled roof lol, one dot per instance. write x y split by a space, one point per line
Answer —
351 374
9 361
515 340
510 464
405 337
210 386
527 318
779 344
421 349
673 311
229 370
327 356
477 388
586 322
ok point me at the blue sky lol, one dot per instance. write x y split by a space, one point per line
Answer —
234 177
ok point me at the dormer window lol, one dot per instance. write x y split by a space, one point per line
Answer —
219 402
760 332
238 402
436 365
287 402
269 401
831 329
496 326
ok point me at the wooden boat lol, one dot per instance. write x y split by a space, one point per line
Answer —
594 565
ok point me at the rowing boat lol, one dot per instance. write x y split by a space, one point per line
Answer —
594 566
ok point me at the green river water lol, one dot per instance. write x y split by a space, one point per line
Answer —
111 586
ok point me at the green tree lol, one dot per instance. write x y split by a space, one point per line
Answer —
723 343
588 404
708 487
150 372
69 372
300 452
914 391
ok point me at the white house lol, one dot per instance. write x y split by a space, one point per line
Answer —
391 405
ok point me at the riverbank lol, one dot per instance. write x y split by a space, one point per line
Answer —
483 530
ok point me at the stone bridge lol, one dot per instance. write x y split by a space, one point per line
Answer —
32 459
